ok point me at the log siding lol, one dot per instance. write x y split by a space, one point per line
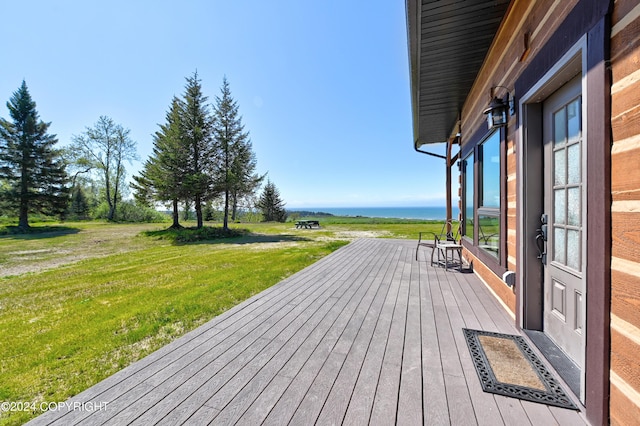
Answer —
625 213
509 61
530 58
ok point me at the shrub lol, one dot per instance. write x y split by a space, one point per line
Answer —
191 235
129 211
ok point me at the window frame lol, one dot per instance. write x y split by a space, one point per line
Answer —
485 208
498 264
468 165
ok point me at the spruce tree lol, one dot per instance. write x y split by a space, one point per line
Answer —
196 133
165 172
235 175
34 172
79 207
271 205
248 181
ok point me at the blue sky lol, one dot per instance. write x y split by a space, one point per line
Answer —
323 87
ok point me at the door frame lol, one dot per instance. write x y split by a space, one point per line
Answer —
563 331
592 28
530 201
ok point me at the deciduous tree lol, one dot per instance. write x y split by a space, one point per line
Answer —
106 147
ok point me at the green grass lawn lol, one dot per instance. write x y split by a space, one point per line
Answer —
80 302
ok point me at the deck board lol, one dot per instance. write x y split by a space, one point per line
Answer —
363 394
410 394
385 404
435 404
366 335
342 390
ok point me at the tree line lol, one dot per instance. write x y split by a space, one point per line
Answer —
201 154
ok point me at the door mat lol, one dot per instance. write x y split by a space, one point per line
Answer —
507 366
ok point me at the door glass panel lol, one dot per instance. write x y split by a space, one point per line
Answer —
573 207
573 249
559 206
559 246
560 168
559 127
567 185
574 163
573 120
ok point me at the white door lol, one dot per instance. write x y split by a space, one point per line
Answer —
564 286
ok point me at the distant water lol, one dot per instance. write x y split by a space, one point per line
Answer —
428 213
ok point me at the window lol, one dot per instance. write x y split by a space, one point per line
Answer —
489 195
468 196
482 196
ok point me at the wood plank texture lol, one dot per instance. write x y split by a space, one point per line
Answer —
626 238
624 359
625 297
625 221
367 335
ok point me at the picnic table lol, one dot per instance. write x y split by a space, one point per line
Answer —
308 224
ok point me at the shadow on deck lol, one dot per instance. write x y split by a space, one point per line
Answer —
366 335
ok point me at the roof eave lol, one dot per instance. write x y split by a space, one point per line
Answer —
453 38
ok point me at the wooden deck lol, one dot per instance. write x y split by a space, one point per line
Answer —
366 335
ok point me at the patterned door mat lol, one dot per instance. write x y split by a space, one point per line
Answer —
507 366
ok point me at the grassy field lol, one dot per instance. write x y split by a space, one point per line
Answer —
83 300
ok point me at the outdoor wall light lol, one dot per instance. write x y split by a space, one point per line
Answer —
497 110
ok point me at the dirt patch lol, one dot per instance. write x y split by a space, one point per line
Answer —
28 252
42 266
354 235
90 242
272 245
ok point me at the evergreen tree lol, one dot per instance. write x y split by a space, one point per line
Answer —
209 212
105 147
79 207
186 210
248 181
196 133
235 175
32 168
271 205
91 191
165 172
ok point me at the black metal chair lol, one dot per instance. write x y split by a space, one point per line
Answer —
446 234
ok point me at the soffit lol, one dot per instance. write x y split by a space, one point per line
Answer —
448 42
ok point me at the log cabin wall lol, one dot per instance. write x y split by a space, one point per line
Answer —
625 213
507 59
526 29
